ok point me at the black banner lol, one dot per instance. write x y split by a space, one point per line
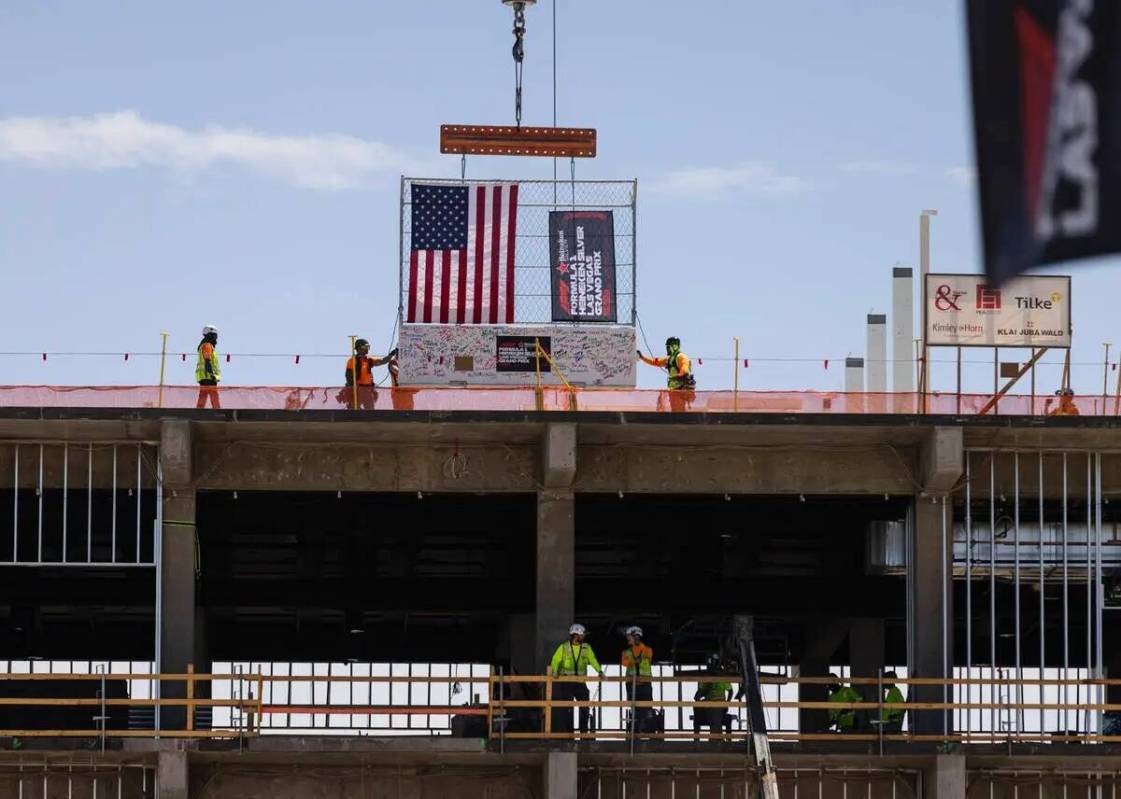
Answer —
582 260
1047 109
518 353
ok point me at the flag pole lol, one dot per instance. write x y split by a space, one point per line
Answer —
163 360
736 376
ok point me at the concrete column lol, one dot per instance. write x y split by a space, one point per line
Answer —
866 656
902 329
556 542
556 572
561 776
945 778
930 622
179 643
171 774
854 375
876 353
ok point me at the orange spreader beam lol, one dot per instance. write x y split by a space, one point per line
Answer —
509 140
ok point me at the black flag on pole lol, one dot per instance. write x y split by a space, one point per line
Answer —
1046 80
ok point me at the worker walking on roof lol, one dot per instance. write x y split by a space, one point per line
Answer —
207 370
360 373
843 719
637 659
572 658
713 690
679 374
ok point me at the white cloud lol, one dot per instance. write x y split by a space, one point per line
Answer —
754 177
880 168
962 175
123 140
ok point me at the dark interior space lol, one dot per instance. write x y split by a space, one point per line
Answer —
683 565
378 577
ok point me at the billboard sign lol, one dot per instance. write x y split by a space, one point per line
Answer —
967 311
582 265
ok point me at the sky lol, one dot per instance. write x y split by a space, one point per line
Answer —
165 166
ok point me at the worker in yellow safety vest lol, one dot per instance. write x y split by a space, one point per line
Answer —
572 658
715 690
891 715
843 719
207 370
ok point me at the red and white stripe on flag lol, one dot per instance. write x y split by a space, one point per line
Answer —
472 284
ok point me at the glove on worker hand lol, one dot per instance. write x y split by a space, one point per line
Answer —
392 353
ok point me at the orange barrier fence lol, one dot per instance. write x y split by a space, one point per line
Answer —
528 398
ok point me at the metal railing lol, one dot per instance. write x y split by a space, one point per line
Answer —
511 708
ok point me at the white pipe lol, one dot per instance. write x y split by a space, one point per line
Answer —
902 329
876 353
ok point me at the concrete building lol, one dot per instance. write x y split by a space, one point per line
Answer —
856 542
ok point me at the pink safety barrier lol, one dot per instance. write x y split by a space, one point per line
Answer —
525 398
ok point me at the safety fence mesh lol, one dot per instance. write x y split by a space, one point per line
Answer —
527 398
536 199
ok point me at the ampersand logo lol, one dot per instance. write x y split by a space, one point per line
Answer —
945 299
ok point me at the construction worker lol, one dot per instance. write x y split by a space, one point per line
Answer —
360 373
207 370
636 661
1066 406
843 719
891 718
679 374
715 718
572 658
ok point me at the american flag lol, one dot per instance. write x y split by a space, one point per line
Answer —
461 257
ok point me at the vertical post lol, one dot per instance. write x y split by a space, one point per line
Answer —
968 590
992 589
400 254
190 697
1042 599
1089 575
65 496
920 406
1105 376
1016 586
89 505
39 517
959 381
548 709
354 373
539 394
924 270
15 507
1066 597
113 521
736 376
163 360
1033 381
634 252
996 380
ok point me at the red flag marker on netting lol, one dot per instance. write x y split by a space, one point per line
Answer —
827 364
297 360
44 356
700 361
745 363
126 356
227 357
184 357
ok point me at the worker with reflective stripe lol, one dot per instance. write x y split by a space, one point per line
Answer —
891 718
636 661
360 373
207 370
843 719
679 369
572 658
715 718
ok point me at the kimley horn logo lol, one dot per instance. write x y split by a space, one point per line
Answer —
1060 120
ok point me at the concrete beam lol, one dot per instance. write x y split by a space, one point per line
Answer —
560 775
558 455
871 469
941 459
556 572
294 466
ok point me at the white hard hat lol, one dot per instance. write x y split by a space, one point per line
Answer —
634 630
208 329
577 629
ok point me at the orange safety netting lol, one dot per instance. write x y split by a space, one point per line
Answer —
525 398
